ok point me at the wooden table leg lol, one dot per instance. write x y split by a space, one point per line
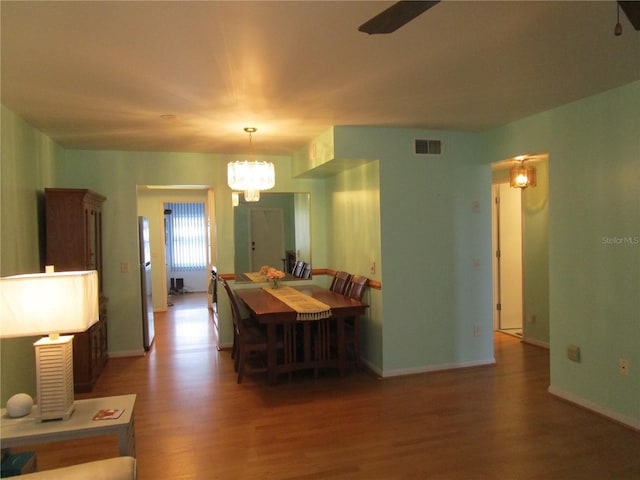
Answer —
342 351
272 354
307 343
127 439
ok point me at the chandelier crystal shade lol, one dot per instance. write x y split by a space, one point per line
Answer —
248 175
251 176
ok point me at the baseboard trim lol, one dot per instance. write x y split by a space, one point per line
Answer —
431 368
630 422
128 353
537 343
371 367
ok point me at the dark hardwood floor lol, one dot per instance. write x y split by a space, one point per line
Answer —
492 422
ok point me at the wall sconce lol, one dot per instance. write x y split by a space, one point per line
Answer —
522 176
50 303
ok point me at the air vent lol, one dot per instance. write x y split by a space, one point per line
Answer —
428 147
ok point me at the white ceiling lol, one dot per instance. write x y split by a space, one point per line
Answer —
99 75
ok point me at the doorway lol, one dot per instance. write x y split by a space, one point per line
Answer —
507 270
151 202
266 232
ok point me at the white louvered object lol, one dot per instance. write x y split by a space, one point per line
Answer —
54 372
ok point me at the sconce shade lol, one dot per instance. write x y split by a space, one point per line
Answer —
522 176
251 177
44 303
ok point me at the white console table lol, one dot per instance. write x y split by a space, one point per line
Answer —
18 432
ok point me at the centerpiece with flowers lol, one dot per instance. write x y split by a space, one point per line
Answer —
274 275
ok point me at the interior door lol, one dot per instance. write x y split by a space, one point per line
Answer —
267 238
509 256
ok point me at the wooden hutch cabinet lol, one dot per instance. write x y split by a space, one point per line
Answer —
74 242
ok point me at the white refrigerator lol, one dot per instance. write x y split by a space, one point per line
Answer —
148 329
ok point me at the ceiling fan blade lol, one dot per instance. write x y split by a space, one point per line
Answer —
632 10
395 16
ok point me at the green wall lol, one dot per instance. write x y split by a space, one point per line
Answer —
354 243
535 258
27 166
594 243
430 236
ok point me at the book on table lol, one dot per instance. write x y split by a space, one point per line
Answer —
108 414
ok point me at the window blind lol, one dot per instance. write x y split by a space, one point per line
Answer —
187 239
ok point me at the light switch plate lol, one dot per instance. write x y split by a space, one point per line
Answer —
573 353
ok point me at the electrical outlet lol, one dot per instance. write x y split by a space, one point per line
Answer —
623 365
124 267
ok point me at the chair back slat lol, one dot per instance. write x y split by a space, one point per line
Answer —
306 271
356 287
235 310
340 282
297 269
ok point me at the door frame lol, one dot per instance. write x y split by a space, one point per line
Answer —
498 291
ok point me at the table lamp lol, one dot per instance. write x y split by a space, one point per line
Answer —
50 303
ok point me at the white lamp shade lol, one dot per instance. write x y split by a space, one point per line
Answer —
251 175
44 303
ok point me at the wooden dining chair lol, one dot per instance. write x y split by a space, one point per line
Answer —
340 282
297 269
306 271
355 289
249 340
356 286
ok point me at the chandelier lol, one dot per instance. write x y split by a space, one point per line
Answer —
251 176
522 176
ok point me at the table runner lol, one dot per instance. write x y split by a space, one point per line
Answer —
306 307
256 277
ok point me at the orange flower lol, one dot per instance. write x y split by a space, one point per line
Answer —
273 273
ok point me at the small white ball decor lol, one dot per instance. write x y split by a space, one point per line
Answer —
19 405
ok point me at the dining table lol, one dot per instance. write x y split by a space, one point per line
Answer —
302 344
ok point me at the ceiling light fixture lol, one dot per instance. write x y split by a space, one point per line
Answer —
251 176
522 176
618 28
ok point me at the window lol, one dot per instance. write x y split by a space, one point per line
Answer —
186 237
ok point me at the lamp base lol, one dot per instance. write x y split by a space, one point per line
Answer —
54 378
52 417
